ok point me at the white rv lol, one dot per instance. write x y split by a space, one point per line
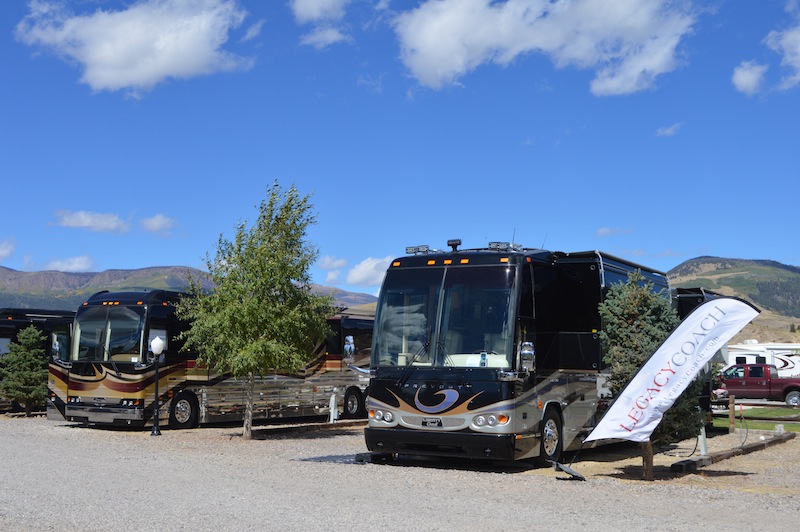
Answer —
786 357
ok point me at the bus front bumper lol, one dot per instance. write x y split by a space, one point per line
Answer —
456 444
103 415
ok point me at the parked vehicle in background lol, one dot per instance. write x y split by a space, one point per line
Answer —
56 325
785 357
109 379
760 381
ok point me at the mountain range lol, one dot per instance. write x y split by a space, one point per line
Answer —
771 286
53 290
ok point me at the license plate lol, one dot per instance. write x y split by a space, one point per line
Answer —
431 422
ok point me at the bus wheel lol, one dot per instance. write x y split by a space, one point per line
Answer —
793 398
183 412
551 440
353 403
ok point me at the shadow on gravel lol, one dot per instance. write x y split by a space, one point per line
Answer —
307 431
634 472
295 434
457 464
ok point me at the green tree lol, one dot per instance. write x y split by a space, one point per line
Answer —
24 370
261 315
636 320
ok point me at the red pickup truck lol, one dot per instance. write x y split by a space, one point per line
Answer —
760 381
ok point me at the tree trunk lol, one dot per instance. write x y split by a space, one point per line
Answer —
248 412
28 408
647 460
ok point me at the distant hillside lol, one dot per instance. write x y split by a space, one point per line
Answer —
66 291
771 286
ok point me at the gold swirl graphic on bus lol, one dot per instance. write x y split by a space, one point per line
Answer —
451 396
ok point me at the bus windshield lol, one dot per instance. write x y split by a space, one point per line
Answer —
456 317
109 333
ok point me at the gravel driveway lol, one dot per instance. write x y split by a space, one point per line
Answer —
64 477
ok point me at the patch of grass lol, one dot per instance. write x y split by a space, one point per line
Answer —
767 412
752 424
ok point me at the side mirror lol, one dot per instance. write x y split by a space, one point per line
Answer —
349 347
527 358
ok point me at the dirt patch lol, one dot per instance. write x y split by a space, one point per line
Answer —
761 462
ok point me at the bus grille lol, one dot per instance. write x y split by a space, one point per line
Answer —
447 422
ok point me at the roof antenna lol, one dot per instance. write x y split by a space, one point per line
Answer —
543 241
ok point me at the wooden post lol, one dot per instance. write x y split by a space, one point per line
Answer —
647 460
731 414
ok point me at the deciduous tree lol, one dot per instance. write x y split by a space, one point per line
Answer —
262 315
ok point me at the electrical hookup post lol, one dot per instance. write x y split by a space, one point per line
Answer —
639 408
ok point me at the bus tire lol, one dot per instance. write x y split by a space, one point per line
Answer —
183 411
353 404
552 440
793 398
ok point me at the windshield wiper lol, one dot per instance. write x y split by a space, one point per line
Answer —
459 371
107 356
409 369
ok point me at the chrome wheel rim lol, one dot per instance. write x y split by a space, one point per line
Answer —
550 437
183 411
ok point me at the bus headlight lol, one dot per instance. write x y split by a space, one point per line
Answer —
492 420
381 415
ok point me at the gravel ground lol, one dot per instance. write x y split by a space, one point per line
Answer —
64 477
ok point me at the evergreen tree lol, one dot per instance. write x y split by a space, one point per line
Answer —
261 316
24 370
636 321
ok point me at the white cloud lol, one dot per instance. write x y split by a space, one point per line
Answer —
316 10
331 263
323 37
138 47
325 16
253 31
6 249
669 131
787 43
604 232
74 264
93 221
158 224
368 272
333 266
628 43
747 77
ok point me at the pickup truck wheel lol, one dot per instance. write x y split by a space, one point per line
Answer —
793 398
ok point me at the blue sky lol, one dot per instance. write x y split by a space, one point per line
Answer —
134 133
